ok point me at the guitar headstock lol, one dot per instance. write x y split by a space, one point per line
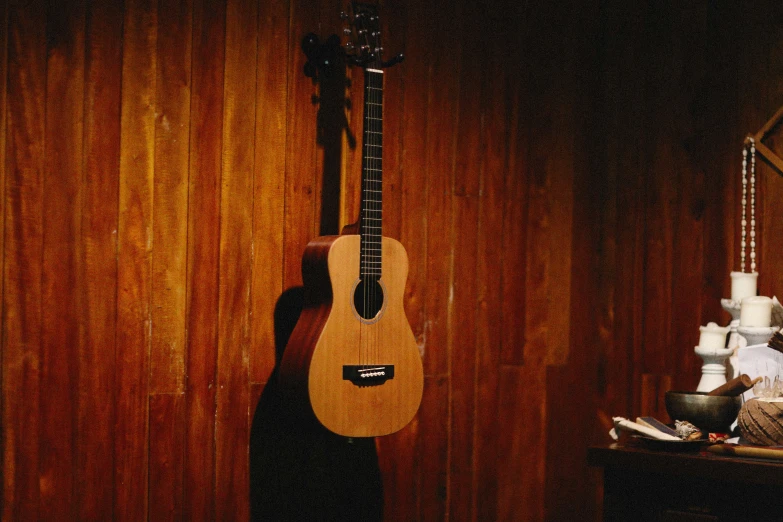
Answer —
365 48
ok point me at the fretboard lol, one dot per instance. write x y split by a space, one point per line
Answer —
372 166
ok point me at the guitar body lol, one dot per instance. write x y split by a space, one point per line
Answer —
332 340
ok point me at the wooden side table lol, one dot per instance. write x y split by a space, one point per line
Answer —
645 485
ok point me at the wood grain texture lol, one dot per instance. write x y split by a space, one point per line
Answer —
166 454
566 188
97 356
300 222
3 176
204 181
269 183
62 193
134 244
235 263
464 233
170 197
22 270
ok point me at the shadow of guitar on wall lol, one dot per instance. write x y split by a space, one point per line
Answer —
298 469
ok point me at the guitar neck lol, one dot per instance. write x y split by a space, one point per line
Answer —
370 221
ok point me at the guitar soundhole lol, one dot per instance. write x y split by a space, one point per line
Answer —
368 299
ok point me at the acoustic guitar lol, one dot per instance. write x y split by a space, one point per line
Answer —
352 359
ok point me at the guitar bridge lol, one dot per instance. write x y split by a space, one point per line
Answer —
368 375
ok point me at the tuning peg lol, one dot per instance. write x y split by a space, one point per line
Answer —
346 31
349 47
343 15
310 43
394 61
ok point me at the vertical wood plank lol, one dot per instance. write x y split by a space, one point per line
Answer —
206 138
443 102
658 204
500 293
97 357
688 273
235 279
506 184
170 196
269 189
3 127
624 216
300 218
769 182
393 29
134 236
465 191
433 423
167 426
442 105
721 158
522 411
569 491
62 235
413 233
22 270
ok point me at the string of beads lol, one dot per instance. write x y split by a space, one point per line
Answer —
748 149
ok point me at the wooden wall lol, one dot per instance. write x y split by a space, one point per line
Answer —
563 182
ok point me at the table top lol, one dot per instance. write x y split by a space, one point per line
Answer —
635 457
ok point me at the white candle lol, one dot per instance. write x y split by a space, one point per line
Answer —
713 336
756 311
743 284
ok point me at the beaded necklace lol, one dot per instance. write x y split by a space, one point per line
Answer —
748 148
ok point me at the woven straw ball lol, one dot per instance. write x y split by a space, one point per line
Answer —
761 422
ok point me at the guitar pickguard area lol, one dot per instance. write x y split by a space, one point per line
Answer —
368 375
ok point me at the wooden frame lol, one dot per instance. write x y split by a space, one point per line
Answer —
772 159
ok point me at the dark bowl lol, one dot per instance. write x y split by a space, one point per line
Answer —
711 414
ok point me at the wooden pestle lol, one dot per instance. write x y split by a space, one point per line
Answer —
736 386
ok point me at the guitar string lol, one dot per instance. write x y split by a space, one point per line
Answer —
377 299
373 238
377 153
371 178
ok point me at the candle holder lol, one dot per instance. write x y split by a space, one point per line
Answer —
713 372
736 341
733 307
757 334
